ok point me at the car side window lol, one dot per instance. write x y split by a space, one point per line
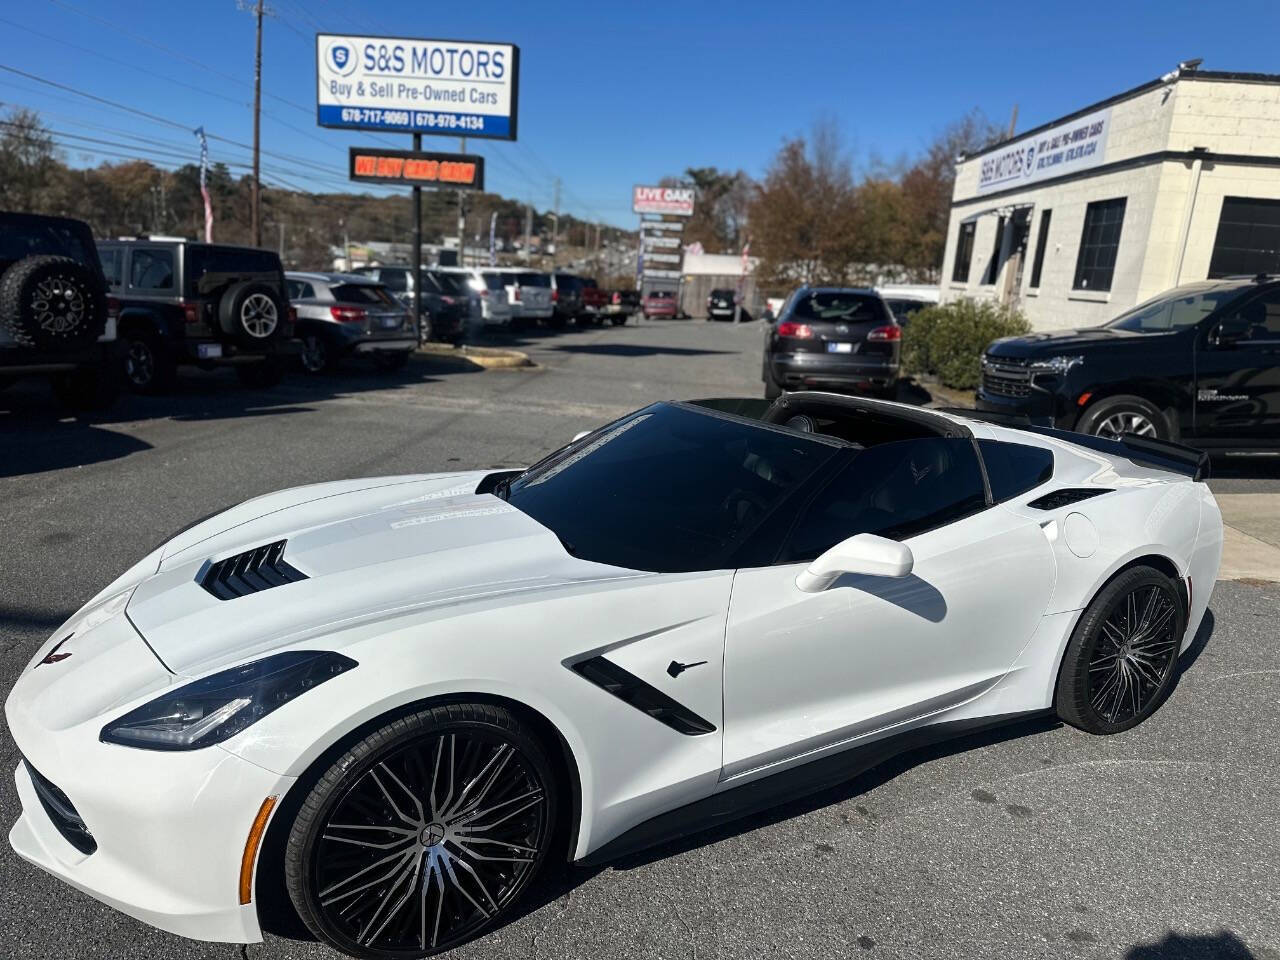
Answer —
1014 468
113 267
895 490
298 290
1263 317
151 270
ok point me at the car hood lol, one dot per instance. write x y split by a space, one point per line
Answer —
369 550
1054 342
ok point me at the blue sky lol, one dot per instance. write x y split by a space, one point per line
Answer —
612 93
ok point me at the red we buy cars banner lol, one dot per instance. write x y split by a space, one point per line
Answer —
456 170
673 200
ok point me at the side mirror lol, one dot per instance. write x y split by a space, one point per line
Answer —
864 553
1229 330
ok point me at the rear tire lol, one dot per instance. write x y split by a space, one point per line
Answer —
318 355
149 367
1113 417
456 875
253 313
1120 661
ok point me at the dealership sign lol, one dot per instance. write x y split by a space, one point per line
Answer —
446 87
648 225
662 257
1066 147
661 274
417 169
652 240
674 200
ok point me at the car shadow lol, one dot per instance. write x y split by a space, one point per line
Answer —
37 436
1223 945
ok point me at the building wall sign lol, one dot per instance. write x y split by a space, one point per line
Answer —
1066 147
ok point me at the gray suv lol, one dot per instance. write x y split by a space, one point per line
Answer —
343 314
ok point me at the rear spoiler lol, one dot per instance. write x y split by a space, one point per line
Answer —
1145 451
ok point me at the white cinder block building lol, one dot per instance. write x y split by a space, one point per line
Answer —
1079 219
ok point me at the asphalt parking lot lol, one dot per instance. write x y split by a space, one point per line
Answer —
1037 841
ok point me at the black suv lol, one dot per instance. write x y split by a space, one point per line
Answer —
834 338
199 303
56 319
1200 363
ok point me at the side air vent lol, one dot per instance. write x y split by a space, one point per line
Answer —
1065 497
250 572
60 810
631 689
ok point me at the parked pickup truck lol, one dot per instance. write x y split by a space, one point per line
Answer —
595 302
622 304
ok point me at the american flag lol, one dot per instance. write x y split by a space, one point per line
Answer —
204 186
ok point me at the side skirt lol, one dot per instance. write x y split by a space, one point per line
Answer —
796 783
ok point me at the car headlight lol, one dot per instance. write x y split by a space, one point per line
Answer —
217 707
1057 365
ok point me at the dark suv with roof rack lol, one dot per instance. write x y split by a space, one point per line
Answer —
1199 363
183 302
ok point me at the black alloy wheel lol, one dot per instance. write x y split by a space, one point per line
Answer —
316 355
1120 663
426 839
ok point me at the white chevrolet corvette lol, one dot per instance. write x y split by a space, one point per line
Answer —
385 704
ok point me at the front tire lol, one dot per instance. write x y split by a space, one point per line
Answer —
1120 662
1113 417
424 834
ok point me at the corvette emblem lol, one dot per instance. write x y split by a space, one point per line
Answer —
54 656
916 474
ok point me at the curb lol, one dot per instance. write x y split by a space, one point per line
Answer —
1248 558
488 358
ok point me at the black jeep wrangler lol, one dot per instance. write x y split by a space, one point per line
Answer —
183 302
55 317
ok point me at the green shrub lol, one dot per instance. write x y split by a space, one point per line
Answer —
947 341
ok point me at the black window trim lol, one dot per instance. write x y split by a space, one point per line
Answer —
992 273
1042 241
968 232
1099 205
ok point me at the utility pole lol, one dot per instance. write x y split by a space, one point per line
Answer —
255 214
528 229
281 225
555 231
417 247
462 214
1013 121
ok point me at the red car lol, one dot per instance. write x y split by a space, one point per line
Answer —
659 303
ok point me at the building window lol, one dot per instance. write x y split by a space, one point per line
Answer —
1042 240
1248 240
964 253
993 265
1098 244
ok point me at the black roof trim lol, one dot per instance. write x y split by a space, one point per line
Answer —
922 416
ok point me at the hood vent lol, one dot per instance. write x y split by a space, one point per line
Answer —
250 572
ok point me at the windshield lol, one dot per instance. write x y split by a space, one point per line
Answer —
448 283
667 489
532 279
1174 310
847 307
